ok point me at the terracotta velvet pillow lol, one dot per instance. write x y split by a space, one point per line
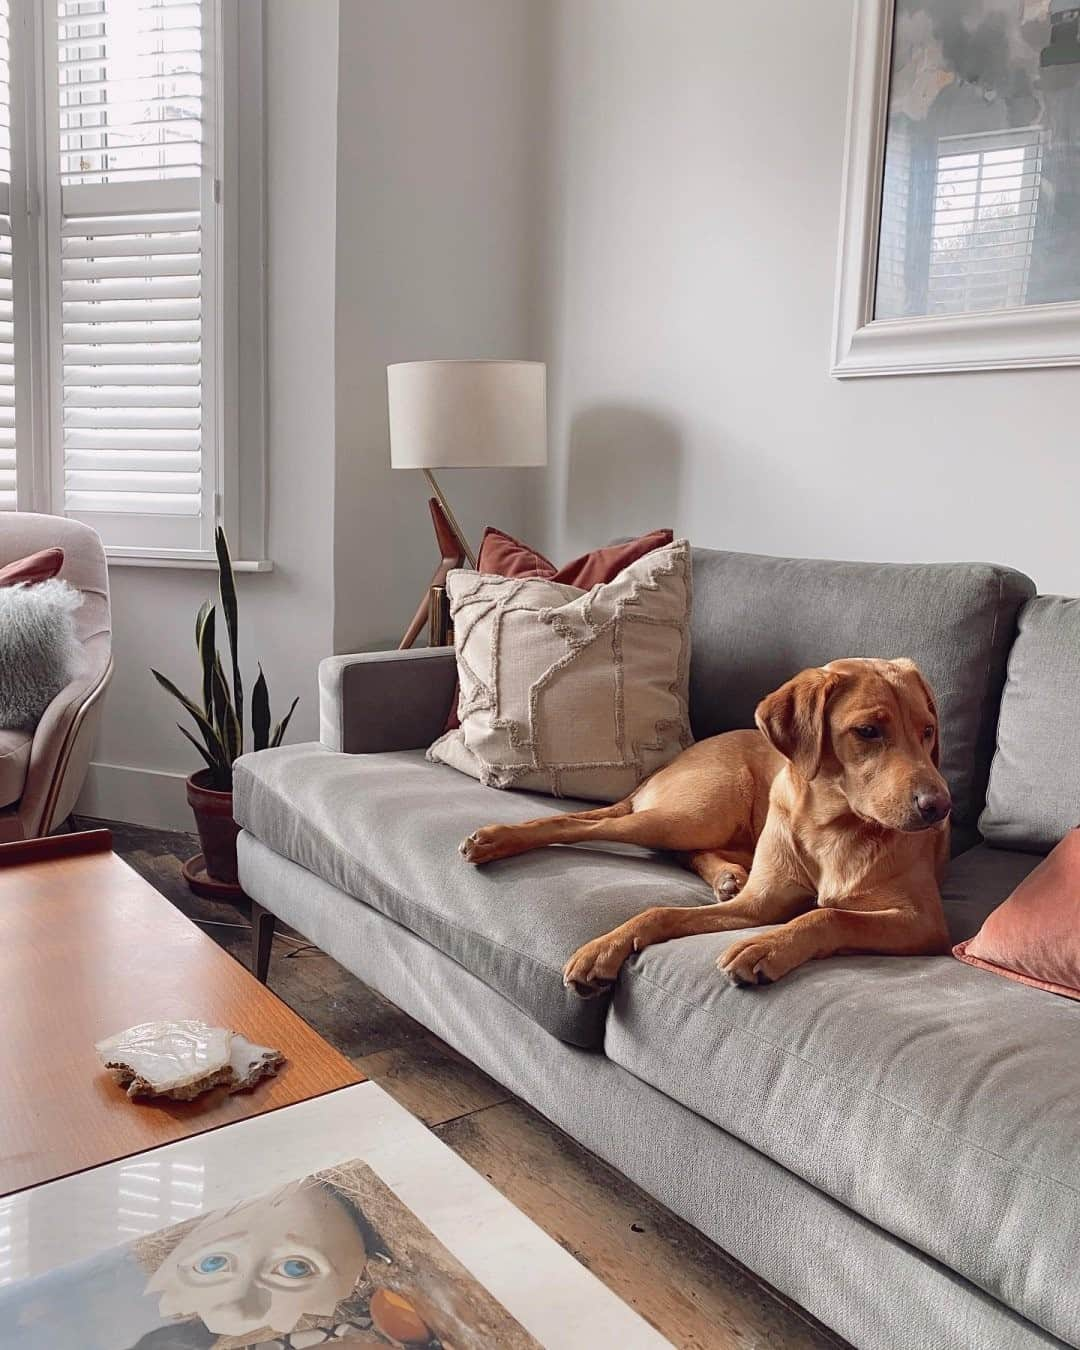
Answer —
1034 936
40 566
501 555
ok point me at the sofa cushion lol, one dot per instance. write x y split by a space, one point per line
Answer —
386 828
1034 795
759 620
936 1100
14 761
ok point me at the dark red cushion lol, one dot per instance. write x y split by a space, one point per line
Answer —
40 566
502 555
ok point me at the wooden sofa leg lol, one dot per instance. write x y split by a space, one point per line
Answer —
262 936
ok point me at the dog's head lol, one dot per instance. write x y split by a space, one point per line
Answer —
869 728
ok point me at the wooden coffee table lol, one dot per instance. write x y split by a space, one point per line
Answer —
88 948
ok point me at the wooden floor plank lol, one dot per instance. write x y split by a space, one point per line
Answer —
432 1080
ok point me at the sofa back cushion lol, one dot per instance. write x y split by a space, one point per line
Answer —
1034 795
758 620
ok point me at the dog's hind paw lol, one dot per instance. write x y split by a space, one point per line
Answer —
728 884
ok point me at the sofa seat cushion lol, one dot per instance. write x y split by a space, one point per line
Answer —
386 828
936 1100
14 762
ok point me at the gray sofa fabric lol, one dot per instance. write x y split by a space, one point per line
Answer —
1033 799
936 1100
377 701
878 1292
759 620
386 829
977 882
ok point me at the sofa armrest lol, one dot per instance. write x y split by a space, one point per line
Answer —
374 701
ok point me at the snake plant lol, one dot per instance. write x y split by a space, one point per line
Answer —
220 719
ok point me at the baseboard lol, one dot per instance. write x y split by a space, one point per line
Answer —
139 796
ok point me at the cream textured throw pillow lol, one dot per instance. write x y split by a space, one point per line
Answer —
576 693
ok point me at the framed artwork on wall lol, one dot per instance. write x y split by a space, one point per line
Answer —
960 229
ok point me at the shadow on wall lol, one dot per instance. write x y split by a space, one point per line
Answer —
624 466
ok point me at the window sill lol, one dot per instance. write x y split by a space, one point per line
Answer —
190 561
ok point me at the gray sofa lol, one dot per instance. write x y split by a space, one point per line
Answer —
894 1143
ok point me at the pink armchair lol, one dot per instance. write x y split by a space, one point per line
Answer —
42 773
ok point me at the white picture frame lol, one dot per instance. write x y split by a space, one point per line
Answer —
1005 339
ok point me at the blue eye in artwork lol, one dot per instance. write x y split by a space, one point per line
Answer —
296 1268
212 1264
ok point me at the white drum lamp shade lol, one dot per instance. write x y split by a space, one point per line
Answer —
467 414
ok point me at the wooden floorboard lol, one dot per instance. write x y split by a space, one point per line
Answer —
682 1283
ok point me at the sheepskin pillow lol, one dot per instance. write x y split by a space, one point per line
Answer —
572 692
39 652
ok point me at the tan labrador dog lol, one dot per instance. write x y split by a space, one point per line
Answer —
831 820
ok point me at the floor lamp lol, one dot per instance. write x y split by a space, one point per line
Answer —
463 415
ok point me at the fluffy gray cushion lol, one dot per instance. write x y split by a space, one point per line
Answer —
39 652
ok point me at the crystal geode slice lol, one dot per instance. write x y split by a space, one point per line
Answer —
183 1059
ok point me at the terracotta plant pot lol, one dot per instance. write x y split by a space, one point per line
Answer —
217 829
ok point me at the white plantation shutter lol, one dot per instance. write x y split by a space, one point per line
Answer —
985 200
7 305
135 224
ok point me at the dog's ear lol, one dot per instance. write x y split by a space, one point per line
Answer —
793 718
908 667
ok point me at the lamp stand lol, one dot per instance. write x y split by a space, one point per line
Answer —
458 535
452 554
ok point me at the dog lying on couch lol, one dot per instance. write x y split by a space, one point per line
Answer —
830 820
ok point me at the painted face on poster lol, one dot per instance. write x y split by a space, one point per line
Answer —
265 1263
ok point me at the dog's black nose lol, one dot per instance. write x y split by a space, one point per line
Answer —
933 806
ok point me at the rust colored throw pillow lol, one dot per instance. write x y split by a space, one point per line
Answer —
1034 936
501 555
40 566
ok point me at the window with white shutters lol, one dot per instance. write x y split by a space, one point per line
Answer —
7 304
122 127
132 224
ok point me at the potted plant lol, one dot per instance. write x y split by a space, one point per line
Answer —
219 722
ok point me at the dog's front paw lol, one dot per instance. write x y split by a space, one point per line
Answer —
483 845
756 960
594 968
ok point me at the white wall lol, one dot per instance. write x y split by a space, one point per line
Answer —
693 185
438 183
287 616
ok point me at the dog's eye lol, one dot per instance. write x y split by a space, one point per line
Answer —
868 733
928 734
